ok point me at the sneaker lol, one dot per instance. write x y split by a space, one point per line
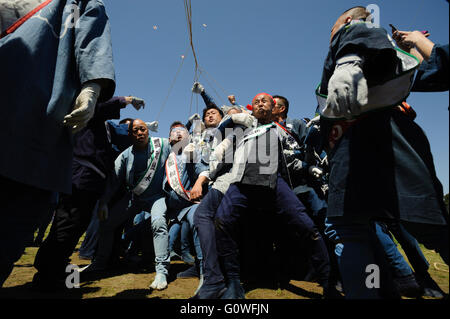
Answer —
188 259
174 256
191 272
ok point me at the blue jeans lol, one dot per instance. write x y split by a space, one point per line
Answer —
357 250
127 208
411 248
22 209
187 228
89 244
174 235
398 264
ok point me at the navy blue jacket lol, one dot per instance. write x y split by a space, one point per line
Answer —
433 74
382 164
93 145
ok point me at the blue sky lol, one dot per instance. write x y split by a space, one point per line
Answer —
249 46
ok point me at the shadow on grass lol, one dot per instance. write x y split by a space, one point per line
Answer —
131 269
23 266
286 286
26 291
174 270
302 292
134 294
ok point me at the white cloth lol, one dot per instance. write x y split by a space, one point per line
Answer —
347 88
243 119
152 126
84 107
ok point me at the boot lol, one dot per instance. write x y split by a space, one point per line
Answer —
232 274
429 286
192 272
407 286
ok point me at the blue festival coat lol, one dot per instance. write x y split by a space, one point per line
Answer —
44 64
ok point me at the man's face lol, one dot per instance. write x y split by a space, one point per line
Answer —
279 108
262 108
212 118
139 133
178 133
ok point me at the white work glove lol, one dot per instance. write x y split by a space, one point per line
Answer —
315 171
84 107
190 153
102 212
347 89
152 126
242 119
198 88
314 121
194 117
137 102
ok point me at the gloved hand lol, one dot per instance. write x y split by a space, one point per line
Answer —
232 99
242 119
102 212
191 153
198 88
137 102
313 121
315 171
347 89
194 117
152 126
84 107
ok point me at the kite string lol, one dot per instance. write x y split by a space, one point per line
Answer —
173 83
192 95
212 86
209 75
188 9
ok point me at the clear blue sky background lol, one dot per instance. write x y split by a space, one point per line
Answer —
250 46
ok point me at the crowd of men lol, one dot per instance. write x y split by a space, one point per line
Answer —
318 200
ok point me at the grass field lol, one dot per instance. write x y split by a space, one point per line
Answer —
132 283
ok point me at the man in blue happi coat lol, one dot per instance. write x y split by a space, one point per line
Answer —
93 163
381 167
56 62
140 168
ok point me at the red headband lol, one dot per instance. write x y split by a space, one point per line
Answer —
250 106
